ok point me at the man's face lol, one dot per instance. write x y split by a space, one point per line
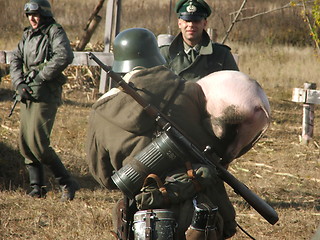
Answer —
192 30
34 20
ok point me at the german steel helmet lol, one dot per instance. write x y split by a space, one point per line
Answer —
135 47
192 10
42 7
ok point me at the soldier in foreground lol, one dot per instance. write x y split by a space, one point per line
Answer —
192 55
36 73
119 132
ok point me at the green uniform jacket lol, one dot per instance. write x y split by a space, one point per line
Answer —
212 57
119 128
45 52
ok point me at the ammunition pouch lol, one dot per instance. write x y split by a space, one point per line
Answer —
176 193
122 218
161 177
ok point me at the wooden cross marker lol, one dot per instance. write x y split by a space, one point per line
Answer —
309 96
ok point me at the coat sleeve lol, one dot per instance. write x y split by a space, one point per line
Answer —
16 65
98 158
61 54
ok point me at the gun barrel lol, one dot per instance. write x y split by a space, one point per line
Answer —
13 107
263 208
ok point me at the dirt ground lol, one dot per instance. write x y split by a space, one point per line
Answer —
279 169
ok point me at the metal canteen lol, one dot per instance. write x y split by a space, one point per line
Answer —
157 224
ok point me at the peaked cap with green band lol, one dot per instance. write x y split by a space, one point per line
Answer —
192 10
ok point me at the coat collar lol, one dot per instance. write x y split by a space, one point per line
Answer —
177 45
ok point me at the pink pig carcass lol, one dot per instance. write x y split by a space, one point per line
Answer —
239 109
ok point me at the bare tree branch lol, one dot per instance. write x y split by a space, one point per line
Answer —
234 21
288 5
263 13
94 13
311 29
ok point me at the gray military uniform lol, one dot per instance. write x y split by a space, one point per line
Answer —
39 60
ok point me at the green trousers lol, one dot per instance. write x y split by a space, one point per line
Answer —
36 123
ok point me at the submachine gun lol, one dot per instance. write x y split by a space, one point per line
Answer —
263 208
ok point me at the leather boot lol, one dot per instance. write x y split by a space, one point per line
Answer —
68 185
69 189
36 177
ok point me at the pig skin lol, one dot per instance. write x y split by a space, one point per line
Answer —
238 107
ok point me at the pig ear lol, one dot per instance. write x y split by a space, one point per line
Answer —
213 128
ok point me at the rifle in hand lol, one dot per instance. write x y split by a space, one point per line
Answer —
177 135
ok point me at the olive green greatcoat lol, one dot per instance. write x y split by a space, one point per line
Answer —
119 128
41 56
212 57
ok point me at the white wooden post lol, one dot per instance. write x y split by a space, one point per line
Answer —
309 97
308 117
112 27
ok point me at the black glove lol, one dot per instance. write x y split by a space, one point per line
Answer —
24 91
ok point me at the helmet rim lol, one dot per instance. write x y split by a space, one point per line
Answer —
135 47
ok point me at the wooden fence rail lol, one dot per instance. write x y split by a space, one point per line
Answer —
80 58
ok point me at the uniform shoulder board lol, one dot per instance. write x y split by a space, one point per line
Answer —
222 45
27 28
57 25
164 46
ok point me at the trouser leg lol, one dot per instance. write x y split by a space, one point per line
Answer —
37 121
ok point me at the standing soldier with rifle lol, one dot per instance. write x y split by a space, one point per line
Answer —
120 133
36 73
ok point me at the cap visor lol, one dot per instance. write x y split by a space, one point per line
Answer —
191 17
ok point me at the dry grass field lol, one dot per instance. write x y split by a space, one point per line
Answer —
281 26
279 169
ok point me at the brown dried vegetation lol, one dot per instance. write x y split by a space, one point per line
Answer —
279 169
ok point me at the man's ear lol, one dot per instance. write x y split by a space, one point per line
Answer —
205 23
179 23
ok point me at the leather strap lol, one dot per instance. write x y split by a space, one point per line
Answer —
192 175
160 186
148 231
